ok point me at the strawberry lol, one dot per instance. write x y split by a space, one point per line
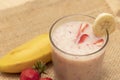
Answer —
99 41
83 29
45 78
82 38
33 73
29 74
78 34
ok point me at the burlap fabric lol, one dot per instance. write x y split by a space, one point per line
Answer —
24 22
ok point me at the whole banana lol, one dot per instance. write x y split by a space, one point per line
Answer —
26 55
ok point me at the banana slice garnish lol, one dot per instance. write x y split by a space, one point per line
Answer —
103 22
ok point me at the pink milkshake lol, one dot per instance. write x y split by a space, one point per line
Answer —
77 52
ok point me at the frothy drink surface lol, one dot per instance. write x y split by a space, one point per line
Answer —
77 38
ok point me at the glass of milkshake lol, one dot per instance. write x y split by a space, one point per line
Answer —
77 53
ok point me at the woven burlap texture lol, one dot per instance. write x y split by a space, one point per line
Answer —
24 22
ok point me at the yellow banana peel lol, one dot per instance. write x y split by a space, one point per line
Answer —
26 55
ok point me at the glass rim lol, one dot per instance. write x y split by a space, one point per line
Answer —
53 44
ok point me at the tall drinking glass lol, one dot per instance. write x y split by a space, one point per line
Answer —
70 66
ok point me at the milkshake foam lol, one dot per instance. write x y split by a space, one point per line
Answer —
66 38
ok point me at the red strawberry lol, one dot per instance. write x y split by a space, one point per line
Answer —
83 38
29 74
83 29
33 73
79 31
45 78
99 41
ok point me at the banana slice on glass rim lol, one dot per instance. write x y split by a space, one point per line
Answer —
103 22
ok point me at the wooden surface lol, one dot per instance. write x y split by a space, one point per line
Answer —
19 23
